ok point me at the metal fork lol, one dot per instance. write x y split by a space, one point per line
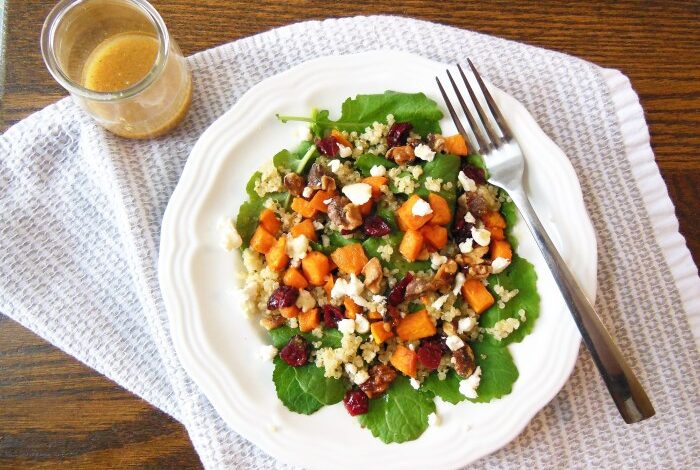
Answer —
506 163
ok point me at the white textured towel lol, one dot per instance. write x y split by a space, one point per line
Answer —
81 212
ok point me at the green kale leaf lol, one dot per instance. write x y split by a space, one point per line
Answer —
304 389
281 336
298 160
364 163
447 389
400 415
498 371
446 168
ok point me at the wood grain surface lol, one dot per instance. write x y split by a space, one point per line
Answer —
57 413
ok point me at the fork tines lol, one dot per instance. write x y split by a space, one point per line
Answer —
497 130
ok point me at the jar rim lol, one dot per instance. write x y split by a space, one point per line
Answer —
48 51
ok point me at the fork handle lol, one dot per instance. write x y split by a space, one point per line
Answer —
625 389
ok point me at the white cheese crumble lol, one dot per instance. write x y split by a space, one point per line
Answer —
460 279
334 165
230 239
468 386
424 152
307 192
361 324
469 218
437 260
421 208
361 377
352 287
267 353
454 342
499 264
466 246
305 301
414 383
344 151
297 247
346 326
440 301
318 225
467 183
358 193
481 236
465 325
377 170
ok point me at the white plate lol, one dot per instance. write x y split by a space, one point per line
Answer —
218 346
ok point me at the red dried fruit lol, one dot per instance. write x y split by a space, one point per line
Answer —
474 172
332 315
283 296
429 354
398 133
296 351
328 146
398 292
375 226
356 402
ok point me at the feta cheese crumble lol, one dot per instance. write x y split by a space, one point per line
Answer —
346 326
460 279
297 247
469 218
421 208
499 264
465 325
481 236
361 324
437 260
352 287
466 246
305 301
334 165
307 192
424 152
467 183
377 170
440 301
414 383
344 151
358 193
468 386
454 342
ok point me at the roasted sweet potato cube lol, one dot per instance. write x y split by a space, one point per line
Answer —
269 220
351 308
315 267
456 145
493 219
350 259
262 240
309 320
328 286
411 245
290 312
341 138
277 258
366 208
405 217
303 207
376 182
441 209
476 295
415 326
501 249
317 201
405 360
435 235
305 227
381 331
294 278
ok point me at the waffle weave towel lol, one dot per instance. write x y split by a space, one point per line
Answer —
81 212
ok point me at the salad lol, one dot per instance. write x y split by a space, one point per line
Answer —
382 264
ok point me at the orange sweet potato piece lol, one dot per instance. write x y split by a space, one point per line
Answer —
277 258
303 207
317 201
416 326
435 235
501 249
376 182
316 268
351 308
294 278
497 233
374 316
305 227
290 312
366 208
269 220
262 240
309 320
405 360
476 295
405 217
456 145
350 258
328 286
381 331
441 209
411 245
493 219
340 138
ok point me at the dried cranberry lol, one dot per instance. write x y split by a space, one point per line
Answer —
296 352
332 315
461 230
283 296
328 146
375 226
398 292
429 354
474 172
356 402
398 133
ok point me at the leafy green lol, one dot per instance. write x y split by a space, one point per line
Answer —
364 110
446 168
249 212
281 336
519 275
400 415
447 389
364 163
304 389
387 213
397 261
510 213
298 160
498 371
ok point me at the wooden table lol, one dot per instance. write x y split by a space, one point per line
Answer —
55 412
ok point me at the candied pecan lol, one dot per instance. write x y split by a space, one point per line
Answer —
374 274
328 183
380 377
294 183
344 214
436 142
418 286
474 203
480 271
463 361
272 321
316 173
445 274
473 258
401 155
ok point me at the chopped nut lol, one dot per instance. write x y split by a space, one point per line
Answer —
436 142
316 173
463 361
294 183
445 274
401 155
373 275
418 286
328 183
380 377
343 213
480 271
473 258
273 321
